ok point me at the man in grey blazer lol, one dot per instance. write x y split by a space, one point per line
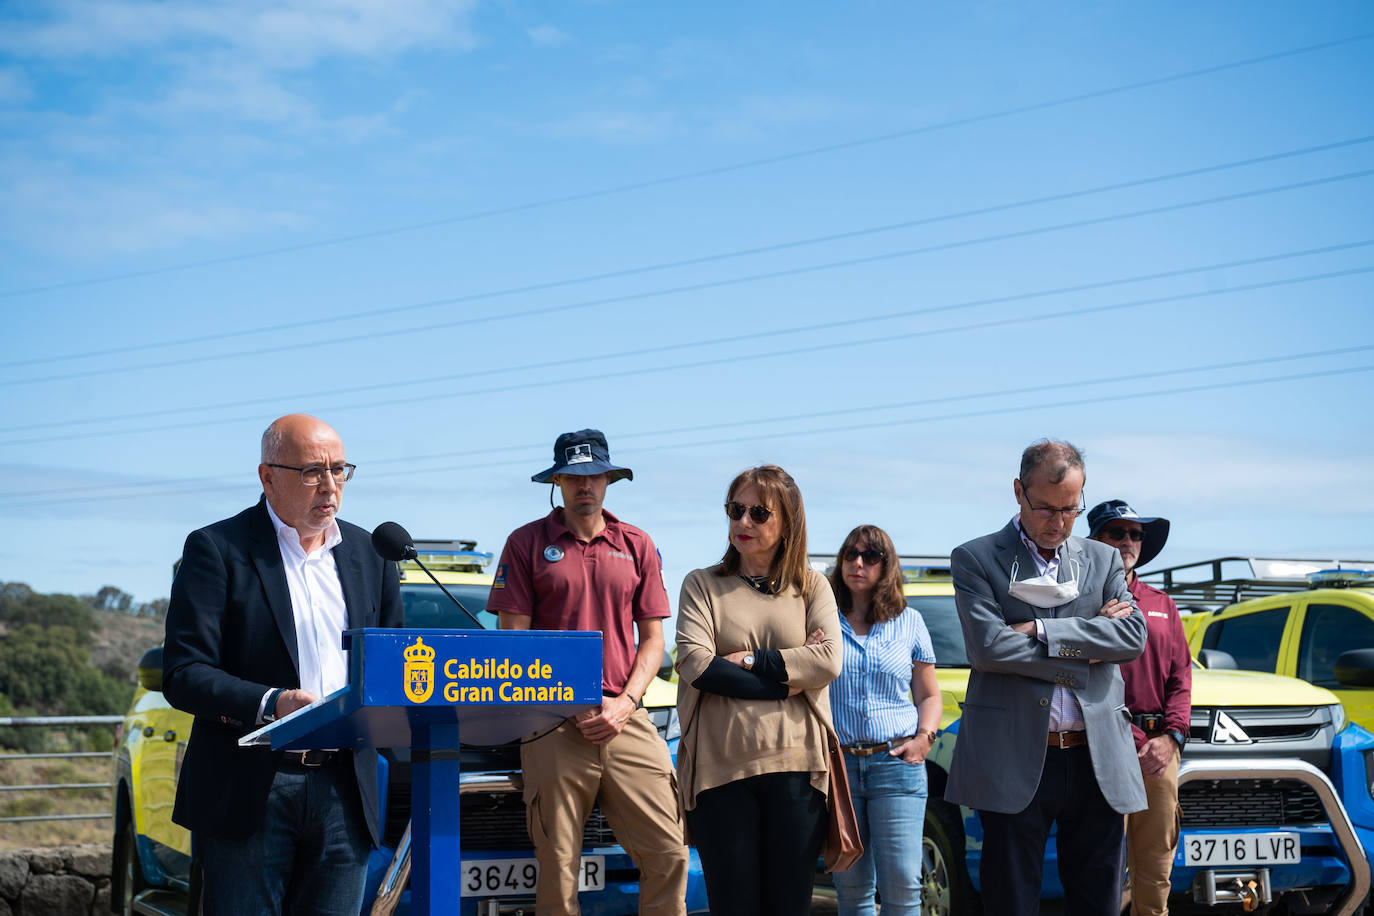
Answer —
1045 735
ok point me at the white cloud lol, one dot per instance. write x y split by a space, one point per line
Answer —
619 127
547 36
14 87
291 34
67 213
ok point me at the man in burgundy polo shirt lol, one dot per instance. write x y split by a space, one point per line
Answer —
581 568
1159 688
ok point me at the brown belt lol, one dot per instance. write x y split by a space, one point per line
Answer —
310 758
1068 739
868 750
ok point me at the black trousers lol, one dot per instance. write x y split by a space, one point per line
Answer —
759 839
1089 842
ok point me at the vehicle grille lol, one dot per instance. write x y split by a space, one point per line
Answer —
1249 803
1261 724
490 821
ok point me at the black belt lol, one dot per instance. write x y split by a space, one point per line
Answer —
311 759
868 750
1149 721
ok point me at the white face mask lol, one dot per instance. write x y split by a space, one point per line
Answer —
1044 591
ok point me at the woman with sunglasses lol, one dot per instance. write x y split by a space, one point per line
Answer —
886 706
757 643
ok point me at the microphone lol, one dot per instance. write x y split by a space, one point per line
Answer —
394 543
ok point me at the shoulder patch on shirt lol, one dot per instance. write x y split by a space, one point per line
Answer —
500 580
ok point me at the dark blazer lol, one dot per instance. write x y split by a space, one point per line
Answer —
1001 749
231 637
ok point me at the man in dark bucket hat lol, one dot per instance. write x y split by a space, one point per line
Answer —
1158 693
581 568
583 454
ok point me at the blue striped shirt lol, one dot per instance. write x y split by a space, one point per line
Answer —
871 699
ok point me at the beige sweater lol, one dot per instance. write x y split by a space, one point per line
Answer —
725 738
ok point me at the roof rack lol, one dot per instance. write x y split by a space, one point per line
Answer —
1227 580
452 554
915 568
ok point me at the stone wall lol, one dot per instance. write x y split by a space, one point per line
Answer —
55 881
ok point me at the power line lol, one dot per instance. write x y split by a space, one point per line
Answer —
811 429
828 345
709 342
701 173
705 285
390 311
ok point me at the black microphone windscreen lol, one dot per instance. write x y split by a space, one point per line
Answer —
392 542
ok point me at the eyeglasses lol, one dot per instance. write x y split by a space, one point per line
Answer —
312 475
759 514
871 556
1046 513
1120 533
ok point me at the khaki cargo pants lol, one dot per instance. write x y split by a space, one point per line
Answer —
633 779
1151 840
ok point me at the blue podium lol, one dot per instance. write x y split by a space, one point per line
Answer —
417 689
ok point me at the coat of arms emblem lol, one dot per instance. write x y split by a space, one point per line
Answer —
419 671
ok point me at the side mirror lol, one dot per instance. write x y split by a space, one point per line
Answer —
1217 660
665 670
150 669
1355 668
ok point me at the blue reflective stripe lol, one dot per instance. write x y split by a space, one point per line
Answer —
871 699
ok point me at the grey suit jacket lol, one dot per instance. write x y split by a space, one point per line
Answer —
1002 734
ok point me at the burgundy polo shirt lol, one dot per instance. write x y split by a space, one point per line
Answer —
1161 679
564 583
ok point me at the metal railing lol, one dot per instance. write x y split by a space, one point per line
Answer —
55 722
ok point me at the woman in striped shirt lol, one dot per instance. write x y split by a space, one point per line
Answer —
886 707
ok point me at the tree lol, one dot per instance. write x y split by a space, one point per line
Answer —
24 606
110 598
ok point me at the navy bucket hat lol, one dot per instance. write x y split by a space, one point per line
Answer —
583 453
1156 530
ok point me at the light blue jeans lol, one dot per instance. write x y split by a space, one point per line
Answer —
890 805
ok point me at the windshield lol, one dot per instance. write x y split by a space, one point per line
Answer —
427 606
943 623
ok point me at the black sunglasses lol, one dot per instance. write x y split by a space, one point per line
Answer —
1117 533
759 514
871 556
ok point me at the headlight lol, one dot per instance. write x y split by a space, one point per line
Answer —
1338 716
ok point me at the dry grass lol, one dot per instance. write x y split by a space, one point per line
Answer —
122 640
50 771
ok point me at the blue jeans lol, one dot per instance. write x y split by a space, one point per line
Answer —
890 805
309 856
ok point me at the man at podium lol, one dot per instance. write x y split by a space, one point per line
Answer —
253 633
581 568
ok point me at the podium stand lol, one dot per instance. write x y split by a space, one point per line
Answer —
417 689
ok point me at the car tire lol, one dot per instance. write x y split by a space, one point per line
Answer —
945 886
126 875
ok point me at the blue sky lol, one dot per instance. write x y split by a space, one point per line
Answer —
883 245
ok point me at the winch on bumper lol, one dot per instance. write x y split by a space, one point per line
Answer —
1289 835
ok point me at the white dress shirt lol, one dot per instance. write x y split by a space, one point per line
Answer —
317 608
1066 715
